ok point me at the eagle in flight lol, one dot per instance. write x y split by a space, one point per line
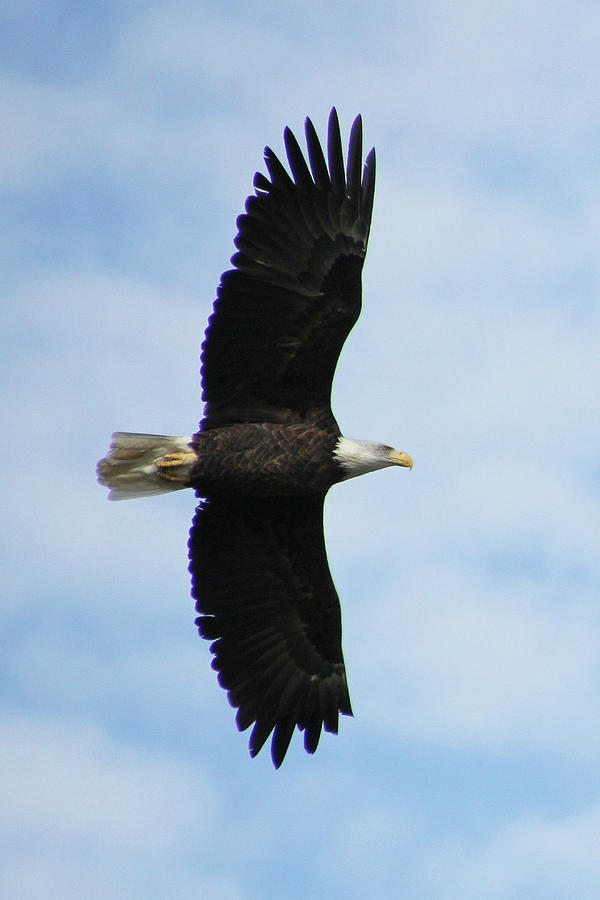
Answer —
269 448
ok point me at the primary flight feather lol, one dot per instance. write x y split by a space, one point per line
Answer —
269 447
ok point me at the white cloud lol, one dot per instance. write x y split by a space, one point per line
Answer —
465 663
363 841
102 817
549 857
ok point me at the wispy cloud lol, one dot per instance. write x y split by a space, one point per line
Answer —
84 812
542 857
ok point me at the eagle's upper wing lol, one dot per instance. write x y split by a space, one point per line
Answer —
283 313
267 601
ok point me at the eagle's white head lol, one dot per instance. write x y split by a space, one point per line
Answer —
359 457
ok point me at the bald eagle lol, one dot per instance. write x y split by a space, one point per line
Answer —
268 448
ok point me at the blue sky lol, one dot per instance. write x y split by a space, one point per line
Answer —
469 586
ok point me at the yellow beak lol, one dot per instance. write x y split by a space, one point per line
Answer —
401 459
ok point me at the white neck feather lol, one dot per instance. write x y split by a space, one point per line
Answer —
359 457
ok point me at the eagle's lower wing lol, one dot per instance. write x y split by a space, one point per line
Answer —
283 313
266 599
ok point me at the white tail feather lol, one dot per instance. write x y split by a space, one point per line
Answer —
140 465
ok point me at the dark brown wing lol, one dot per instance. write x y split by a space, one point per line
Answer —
283 313
266 599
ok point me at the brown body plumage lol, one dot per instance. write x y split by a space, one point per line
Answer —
258 459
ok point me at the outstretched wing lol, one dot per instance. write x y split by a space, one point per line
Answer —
267 601
283 313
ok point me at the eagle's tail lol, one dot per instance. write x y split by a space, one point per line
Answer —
138 465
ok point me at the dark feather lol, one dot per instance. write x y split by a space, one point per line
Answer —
283 313
278 639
